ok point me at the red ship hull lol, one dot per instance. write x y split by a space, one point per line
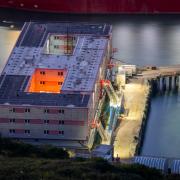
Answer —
95 6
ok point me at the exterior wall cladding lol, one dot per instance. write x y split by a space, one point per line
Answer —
44 122
69 125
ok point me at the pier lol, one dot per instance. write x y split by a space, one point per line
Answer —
128 133
165 71
162 78
137 92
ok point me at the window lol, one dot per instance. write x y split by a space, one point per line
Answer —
42 72
12 131
59 83
56 46
27 131
27 110
12 120
46 131
13 110
56 37
61 122
46 121
61 111
27 121
42 82
60 73
61 132
46 111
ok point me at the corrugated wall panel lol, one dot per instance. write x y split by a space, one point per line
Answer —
153 162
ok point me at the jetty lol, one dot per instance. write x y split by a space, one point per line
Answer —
137 95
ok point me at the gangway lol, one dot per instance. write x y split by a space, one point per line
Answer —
102 132
114 99
115 104
97 126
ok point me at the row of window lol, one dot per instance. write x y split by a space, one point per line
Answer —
56 46
43 82
59 73
48 132
42 72
25 110
13 131
28 121
66 47
47 122
27 131
61 111
64 37
56 37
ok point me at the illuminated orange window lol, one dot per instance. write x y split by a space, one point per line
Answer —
47 80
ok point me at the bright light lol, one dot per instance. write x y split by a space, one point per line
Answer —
47 80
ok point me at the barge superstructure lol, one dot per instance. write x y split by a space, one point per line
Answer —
50 86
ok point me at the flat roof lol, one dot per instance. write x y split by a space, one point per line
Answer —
82 66
12 92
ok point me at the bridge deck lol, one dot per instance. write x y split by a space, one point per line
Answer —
161 71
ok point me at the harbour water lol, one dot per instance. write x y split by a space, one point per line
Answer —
141 40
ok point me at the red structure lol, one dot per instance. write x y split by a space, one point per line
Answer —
95 6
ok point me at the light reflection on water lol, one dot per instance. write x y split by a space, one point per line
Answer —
8 38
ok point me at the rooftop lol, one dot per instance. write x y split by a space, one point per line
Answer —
12 92
82 66
79 68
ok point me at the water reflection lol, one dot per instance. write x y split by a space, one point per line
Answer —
162 134
8 38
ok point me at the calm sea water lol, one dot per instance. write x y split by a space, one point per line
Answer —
141 40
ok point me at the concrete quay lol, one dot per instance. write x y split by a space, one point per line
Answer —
128 133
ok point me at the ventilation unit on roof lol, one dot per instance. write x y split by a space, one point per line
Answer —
29 59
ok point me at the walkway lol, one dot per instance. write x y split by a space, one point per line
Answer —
135 100
161 71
